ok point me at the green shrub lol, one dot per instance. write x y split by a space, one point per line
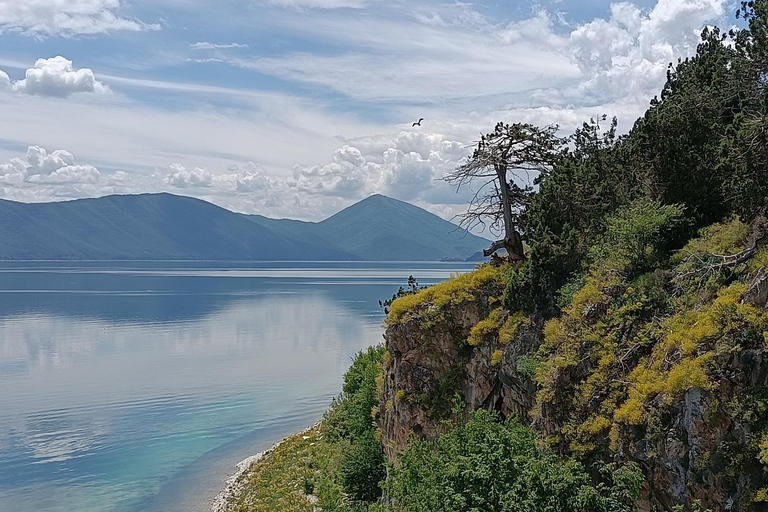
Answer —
527 365
363 468
638 237
351 458
491 466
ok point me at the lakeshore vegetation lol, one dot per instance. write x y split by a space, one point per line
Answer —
643 266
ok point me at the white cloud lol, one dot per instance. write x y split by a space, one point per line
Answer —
181 177
454 55
408 166
41 18
5 80
13 172
55 77
40 168
204 45
627 54
322 4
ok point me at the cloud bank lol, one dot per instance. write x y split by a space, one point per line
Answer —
408 166
45 18
333 122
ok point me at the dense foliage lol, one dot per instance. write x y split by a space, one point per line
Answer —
700 146
339 463
498 467
350 428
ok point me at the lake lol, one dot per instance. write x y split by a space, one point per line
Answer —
138 386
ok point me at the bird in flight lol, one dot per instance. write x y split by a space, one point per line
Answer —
419 123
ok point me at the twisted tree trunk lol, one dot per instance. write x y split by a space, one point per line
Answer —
512 240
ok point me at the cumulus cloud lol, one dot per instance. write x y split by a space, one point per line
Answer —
42 168
452 53
42 18
13 172
58 77
628 53
204 45
408 166
55 77
181 177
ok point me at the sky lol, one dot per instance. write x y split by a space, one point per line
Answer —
299 108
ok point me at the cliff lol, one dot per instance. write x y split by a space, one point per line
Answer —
437 348
667 369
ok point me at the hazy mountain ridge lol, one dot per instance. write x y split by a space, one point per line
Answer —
382 228
168 227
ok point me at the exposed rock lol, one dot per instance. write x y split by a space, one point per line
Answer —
704 451
427 368
701 453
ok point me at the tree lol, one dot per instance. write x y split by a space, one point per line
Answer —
525 152
567 213
744 148
677 143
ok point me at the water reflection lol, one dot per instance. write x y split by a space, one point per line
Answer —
116 379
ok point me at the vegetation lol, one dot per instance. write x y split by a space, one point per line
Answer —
487 464
498 466
280 480
336 465
459 289
642 260
411 288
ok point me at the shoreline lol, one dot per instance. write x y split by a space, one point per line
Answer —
232 487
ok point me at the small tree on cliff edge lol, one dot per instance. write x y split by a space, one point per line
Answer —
504 159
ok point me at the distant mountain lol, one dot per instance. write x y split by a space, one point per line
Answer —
168 227
385 229
147 226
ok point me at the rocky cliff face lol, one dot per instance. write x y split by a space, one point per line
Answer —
430 364
706 446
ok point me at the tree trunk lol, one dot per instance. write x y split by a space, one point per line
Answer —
512 242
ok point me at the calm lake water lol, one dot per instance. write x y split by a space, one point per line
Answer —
137 386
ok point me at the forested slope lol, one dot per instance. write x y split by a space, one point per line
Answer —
622 364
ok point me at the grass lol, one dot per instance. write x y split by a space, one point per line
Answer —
277 482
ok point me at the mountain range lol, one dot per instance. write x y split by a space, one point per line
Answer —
170 227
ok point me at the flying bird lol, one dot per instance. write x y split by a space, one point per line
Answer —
419 123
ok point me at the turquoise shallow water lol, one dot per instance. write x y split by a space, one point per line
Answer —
138 386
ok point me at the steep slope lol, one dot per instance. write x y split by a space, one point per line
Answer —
147 226
381 228
667 369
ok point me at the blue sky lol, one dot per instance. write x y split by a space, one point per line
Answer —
300 107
